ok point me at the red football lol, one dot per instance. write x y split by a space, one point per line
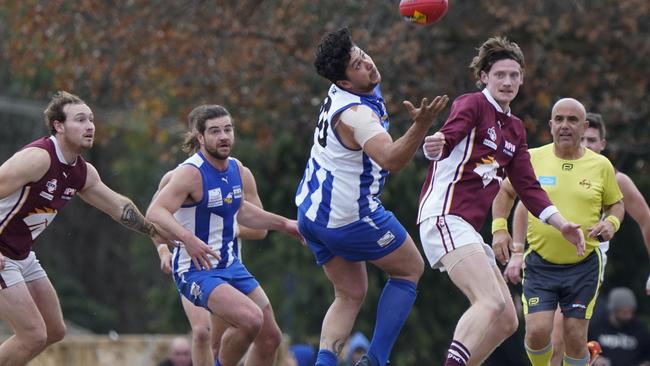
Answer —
423 11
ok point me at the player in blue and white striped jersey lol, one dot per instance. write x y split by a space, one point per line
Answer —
339 211
202 204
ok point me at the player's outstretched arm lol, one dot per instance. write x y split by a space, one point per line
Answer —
501 207
184 183
117 206
637 207
394 155
570 231
255 218
250 195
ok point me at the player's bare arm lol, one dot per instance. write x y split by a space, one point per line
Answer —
255 218
25 166
363 124
184 184
637 207
164 253
605 228
501 207
120 208
512 272
250 195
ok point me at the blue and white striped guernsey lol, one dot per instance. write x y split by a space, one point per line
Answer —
340 185
212 220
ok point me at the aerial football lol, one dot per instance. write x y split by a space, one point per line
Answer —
423 12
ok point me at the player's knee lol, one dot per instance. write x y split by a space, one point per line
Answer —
495 305
537 335
510 322
56 333
269 340
201 335
417 268
253 323
353 293
34 341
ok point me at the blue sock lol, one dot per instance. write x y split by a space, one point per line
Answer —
326 358
217 363
394 307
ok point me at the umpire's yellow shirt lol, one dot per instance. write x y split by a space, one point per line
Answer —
579 189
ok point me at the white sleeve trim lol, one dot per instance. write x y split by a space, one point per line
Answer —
547 213
436 158
364 123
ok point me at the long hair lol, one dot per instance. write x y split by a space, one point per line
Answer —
491 51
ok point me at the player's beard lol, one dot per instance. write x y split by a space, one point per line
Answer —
215 153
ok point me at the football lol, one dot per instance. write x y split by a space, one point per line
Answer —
423 12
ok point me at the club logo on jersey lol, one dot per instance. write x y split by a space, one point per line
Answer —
386 239
214 197
228 198
533 301
547 181
488 170
509 148
585 183
39 219
237 191
567 166
492 133
51 185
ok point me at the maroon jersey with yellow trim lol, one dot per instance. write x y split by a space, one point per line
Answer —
25 213
483 145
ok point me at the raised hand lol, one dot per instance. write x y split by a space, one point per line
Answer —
427 112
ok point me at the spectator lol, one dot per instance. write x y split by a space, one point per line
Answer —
179 353
625 341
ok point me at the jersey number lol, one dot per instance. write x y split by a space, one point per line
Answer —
322 121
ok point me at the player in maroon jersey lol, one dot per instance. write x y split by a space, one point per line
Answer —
35 183
480 143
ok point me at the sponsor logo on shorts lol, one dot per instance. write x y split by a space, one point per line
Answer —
580 306
369 221
386 239
195 291
533 301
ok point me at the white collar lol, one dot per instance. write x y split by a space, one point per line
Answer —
494 102
59 153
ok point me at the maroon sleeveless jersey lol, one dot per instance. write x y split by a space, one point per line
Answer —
25 213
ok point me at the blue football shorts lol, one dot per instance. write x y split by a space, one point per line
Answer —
371 238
